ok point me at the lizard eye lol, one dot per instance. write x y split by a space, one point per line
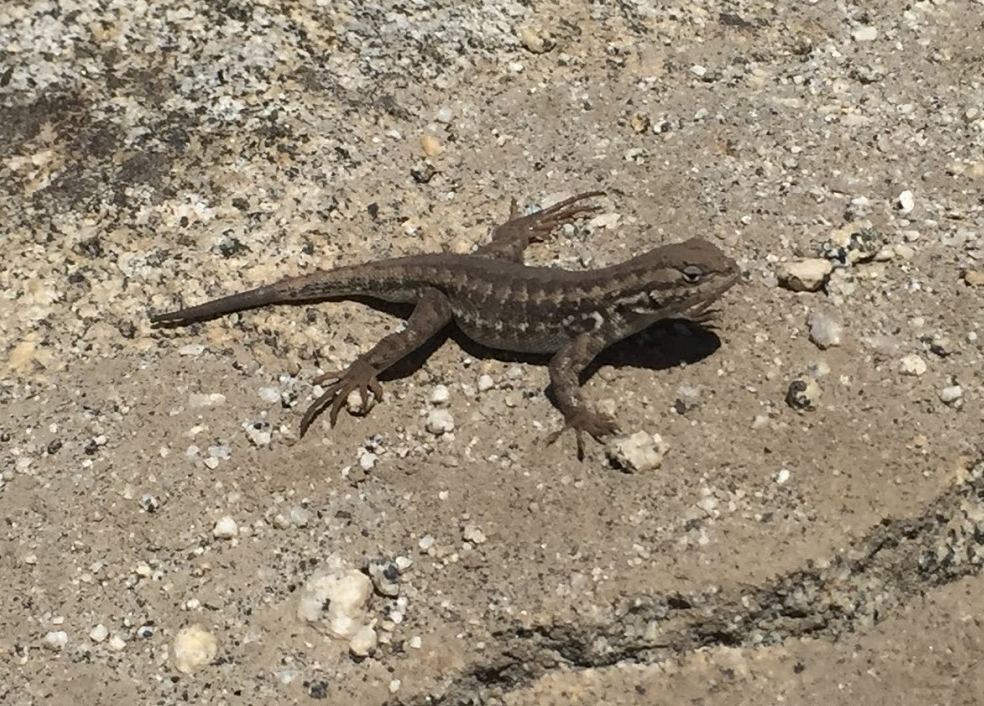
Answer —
692 274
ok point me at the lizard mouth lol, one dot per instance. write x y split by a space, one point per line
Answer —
702 313
703 310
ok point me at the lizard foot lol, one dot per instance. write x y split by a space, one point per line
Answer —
358 376
539 224
584 422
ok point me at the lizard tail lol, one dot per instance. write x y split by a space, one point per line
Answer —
226 305
317 286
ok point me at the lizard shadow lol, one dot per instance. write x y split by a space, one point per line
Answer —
665 344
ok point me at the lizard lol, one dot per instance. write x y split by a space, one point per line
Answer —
501 303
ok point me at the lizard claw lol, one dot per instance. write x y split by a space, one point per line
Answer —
582 421
358 376
540 223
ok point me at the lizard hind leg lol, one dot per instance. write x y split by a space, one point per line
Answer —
432 313
511 238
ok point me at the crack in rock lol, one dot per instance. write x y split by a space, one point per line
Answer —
897 560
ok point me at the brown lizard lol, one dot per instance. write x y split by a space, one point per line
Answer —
501 303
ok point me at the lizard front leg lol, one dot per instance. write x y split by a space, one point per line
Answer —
565 371
430 315
511 238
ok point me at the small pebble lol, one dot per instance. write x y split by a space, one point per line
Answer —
367 460
782 476
192 349
688 397
364 641
906 202
219 451
904 252
803 394
605 220
439 421
841 285
853 244
145 632
485 383
117 643
951 394
431 145
535 42
804 276
225 528
865 34
444 115
825 332
640 123
300 516
55 640
358 406
385 577
287 676
973 278
940 345
440 394
639 452
258 433
859 207
912 365
339 596
885 253
197 400
99 633
270 395
709 505
473 533
194 647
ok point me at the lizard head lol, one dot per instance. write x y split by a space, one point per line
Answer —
684 279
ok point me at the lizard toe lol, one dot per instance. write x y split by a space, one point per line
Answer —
359 376
584 422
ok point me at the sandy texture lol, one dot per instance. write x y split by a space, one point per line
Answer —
814 532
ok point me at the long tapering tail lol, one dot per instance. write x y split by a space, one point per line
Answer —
261 296
343 282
